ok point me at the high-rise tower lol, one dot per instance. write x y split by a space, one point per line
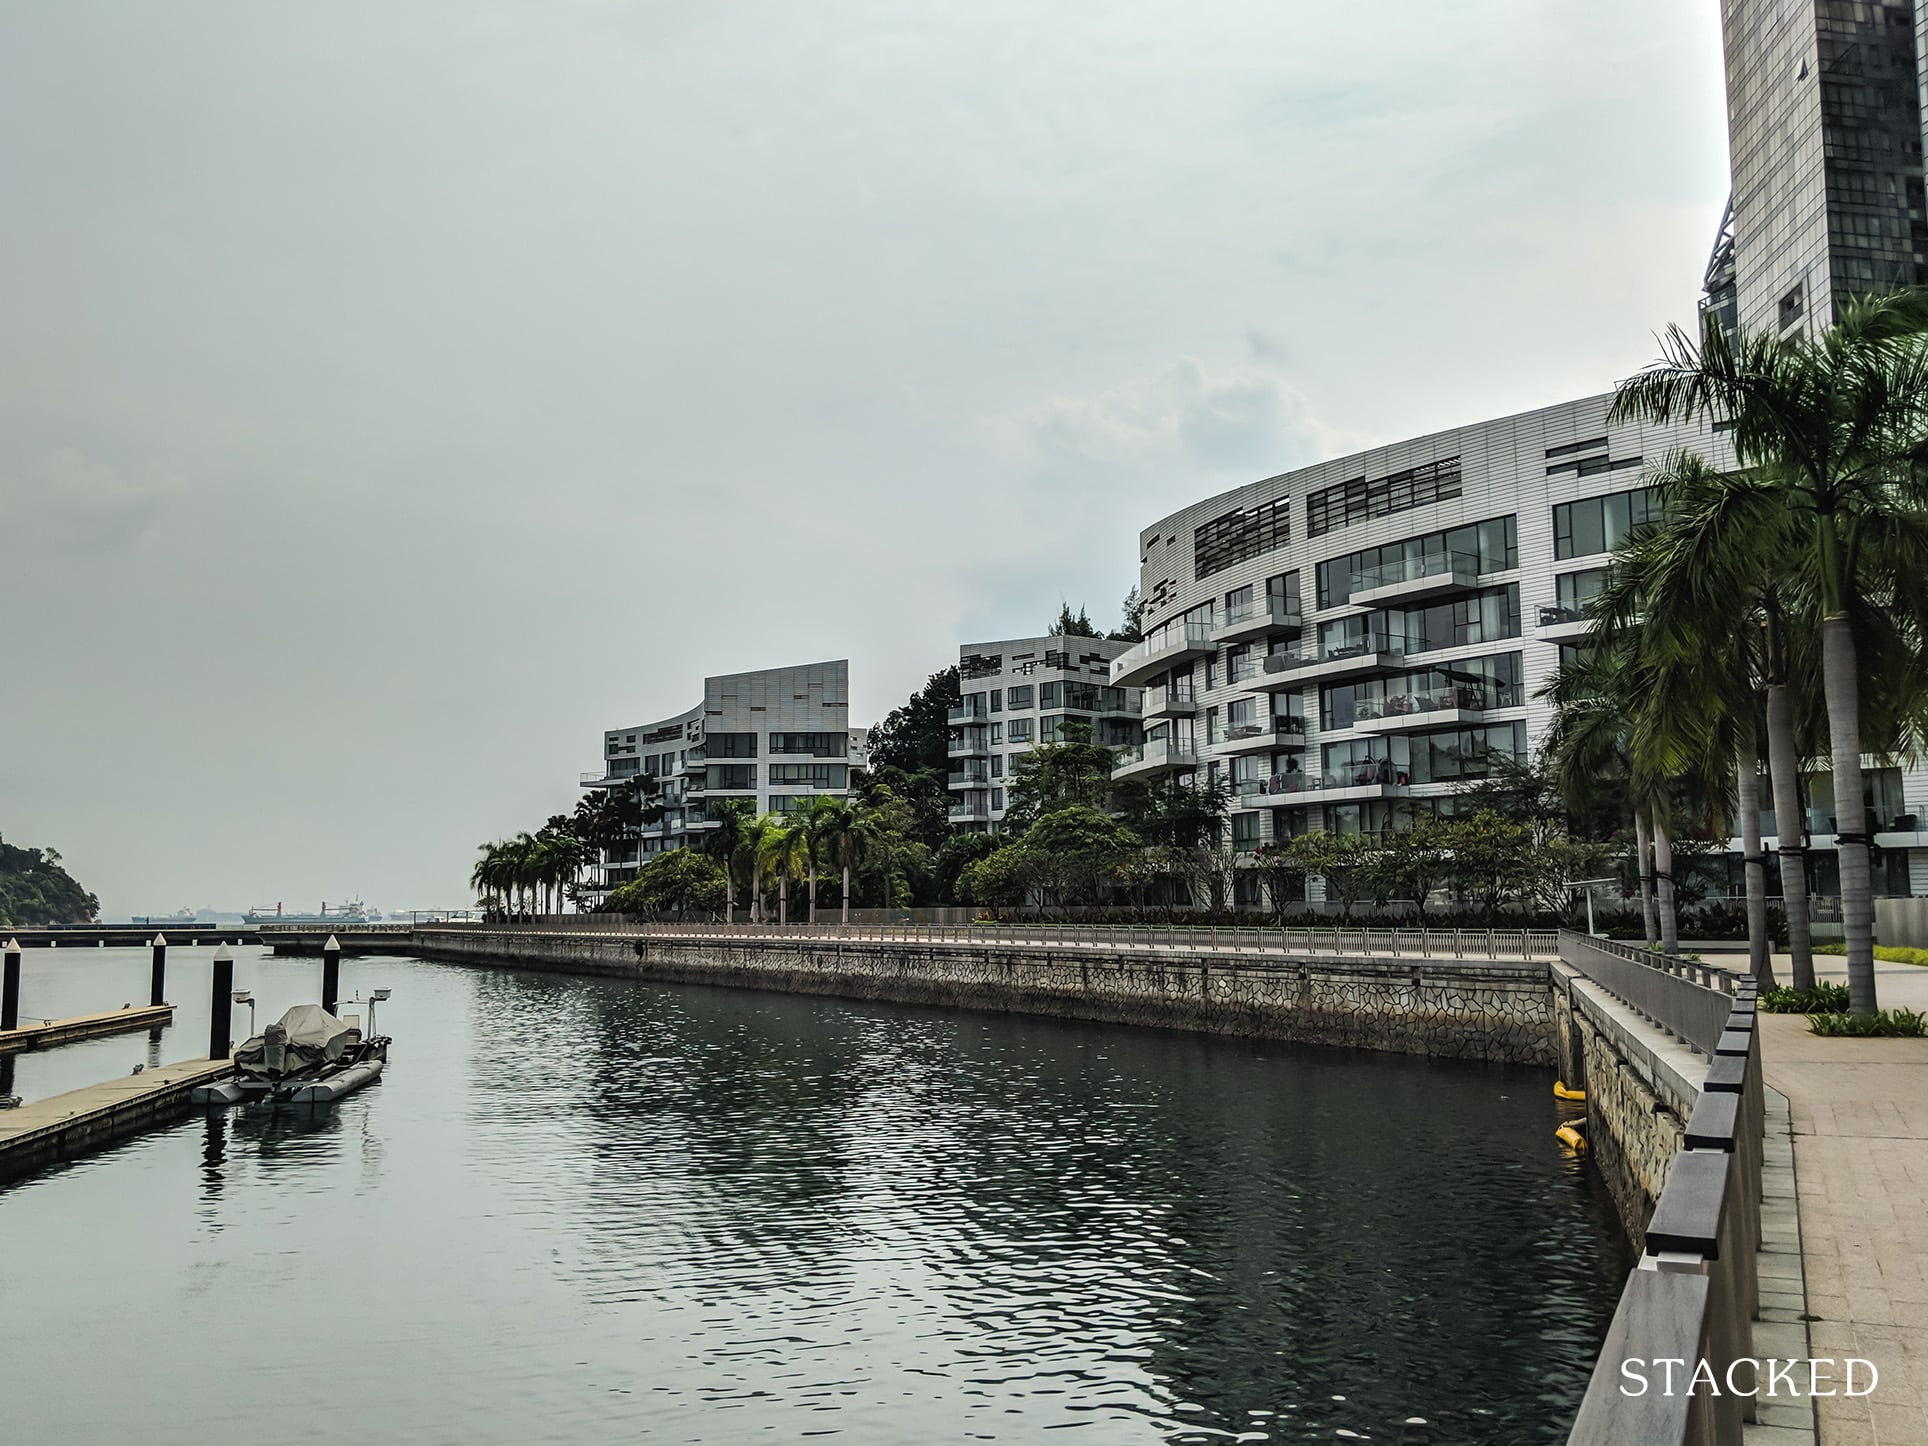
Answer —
1824 113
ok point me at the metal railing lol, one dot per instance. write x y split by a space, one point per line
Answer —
1461 567
1685 997
1341 939
1695 1293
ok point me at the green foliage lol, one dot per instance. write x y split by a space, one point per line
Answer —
910 756
1886 953
1131 625
1882 1024
1068 626
960 851
36 889
1823 998
1073 855
1073 772
998 880
1175 815
679 883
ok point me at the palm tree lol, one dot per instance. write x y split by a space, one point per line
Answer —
1837 427
845 828
778 845
814 825
724 843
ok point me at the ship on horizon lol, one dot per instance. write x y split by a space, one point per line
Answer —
354 911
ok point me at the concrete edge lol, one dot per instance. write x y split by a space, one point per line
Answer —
1783 1329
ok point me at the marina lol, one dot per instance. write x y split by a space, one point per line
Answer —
48 1033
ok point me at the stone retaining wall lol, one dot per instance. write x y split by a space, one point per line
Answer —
1640 1088
1460 1009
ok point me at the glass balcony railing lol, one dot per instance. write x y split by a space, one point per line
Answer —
1280 611
1553 617
969 713
1458 697
1458 567
1157 752
1282 727
1360 646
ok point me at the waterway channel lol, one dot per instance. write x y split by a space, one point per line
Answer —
582 1210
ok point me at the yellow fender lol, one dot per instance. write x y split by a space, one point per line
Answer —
1561 1092
1571 1138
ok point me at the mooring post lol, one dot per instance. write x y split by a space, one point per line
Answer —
10 988
221 1006
330 974
157 990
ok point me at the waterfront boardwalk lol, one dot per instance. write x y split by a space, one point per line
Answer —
65 1125
85 1026
1860 1118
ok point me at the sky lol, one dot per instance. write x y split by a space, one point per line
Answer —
393 397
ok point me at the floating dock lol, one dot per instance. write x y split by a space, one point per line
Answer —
63 1126
85 1026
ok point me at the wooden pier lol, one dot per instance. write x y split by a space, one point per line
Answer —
85 1026
63 1126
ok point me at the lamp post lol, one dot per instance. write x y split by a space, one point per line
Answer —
1588 885
246 996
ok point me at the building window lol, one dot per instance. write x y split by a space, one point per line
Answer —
1344 503
817 745
1245 831
997 700
809 775
1019 730
997 799
1020 697
1600 524
1490 546
731 745
1240 534
1574 590
737 776
997 765
997 733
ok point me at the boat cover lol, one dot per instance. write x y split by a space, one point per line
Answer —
311 1037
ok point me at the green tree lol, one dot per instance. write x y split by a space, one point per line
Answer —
1837 425
733 818
35 888
1337 858
1076 851
1070 626
1131 626
910 756
960 851
1489 857
680 883
781 847
1000 879
1072 771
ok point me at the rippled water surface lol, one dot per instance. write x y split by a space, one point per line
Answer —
588 1211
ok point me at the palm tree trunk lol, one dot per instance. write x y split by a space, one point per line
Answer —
846 887
1784 776
783 897
813 886
1664 889
729 897
1747 763
1843 694
1643 843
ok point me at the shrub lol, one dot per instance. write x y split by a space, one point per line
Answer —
1888 1024
1885 953
1825 998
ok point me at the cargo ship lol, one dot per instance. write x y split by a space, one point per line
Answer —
352 912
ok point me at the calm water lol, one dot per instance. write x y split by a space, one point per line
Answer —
579 1211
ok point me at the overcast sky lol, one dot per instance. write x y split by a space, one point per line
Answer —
393 396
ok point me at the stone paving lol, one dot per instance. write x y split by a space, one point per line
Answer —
1860 1118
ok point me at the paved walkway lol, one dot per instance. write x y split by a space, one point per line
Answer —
1860 1116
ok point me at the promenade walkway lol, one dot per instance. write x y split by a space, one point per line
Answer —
1860 1118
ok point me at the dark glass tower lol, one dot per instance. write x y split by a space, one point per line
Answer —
1824 110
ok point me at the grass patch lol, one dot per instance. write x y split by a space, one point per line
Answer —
1824 998
1888 1024
1885 953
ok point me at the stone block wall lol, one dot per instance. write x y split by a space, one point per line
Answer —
1464 1009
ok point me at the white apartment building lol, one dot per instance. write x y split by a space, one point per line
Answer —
777 738
1019 693
1350 644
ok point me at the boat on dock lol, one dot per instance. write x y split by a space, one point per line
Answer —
307 1057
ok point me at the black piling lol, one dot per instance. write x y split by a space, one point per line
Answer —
157 990
10 988
330 974
221 1007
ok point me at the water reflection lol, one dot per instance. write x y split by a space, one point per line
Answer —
590 1209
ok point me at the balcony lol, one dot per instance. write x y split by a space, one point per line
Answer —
968 713
610 779
968 779
1560 623
1370 656
1275 617
971 811
1433 708
1351 786
1177 700
1129 705
694 761
974 744
1414 579
1263 737
1179 643
1154 758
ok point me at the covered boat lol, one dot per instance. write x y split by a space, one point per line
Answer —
308 1056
